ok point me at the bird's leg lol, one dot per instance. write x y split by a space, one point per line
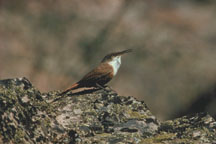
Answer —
102 87
110 89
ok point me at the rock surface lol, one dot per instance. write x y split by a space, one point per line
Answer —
91 116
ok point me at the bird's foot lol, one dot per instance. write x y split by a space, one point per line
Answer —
105 88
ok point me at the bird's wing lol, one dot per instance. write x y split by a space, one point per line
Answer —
100 72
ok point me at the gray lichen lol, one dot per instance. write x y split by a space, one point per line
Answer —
100 116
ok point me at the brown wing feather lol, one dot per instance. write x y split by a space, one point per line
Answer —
104 72
74 86
101 75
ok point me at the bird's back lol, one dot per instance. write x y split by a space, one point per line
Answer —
101 75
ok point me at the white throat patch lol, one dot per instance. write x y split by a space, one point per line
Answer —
115 63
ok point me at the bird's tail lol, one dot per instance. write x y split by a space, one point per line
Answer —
74 86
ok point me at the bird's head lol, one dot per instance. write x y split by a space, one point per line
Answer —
114 59
116 56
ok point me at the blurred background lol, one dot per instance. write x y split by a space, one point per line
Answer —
173 67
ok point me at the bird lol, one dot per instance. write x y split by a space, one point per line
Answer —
101 74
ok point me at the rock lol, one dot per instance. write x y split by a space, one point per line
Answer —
92 116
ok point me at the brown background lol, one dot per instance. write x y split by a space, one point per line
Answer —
173 67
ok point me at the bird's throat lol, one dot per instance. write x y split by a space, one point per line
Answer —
115 63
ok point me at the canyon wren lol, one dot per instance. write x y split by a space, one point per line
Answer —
102 74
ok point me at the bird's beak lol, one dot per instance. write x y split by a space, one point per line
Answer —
123 52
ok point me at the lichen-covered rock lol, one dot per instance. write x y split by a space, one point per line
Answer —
198 128
24 114
90 116
105 116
